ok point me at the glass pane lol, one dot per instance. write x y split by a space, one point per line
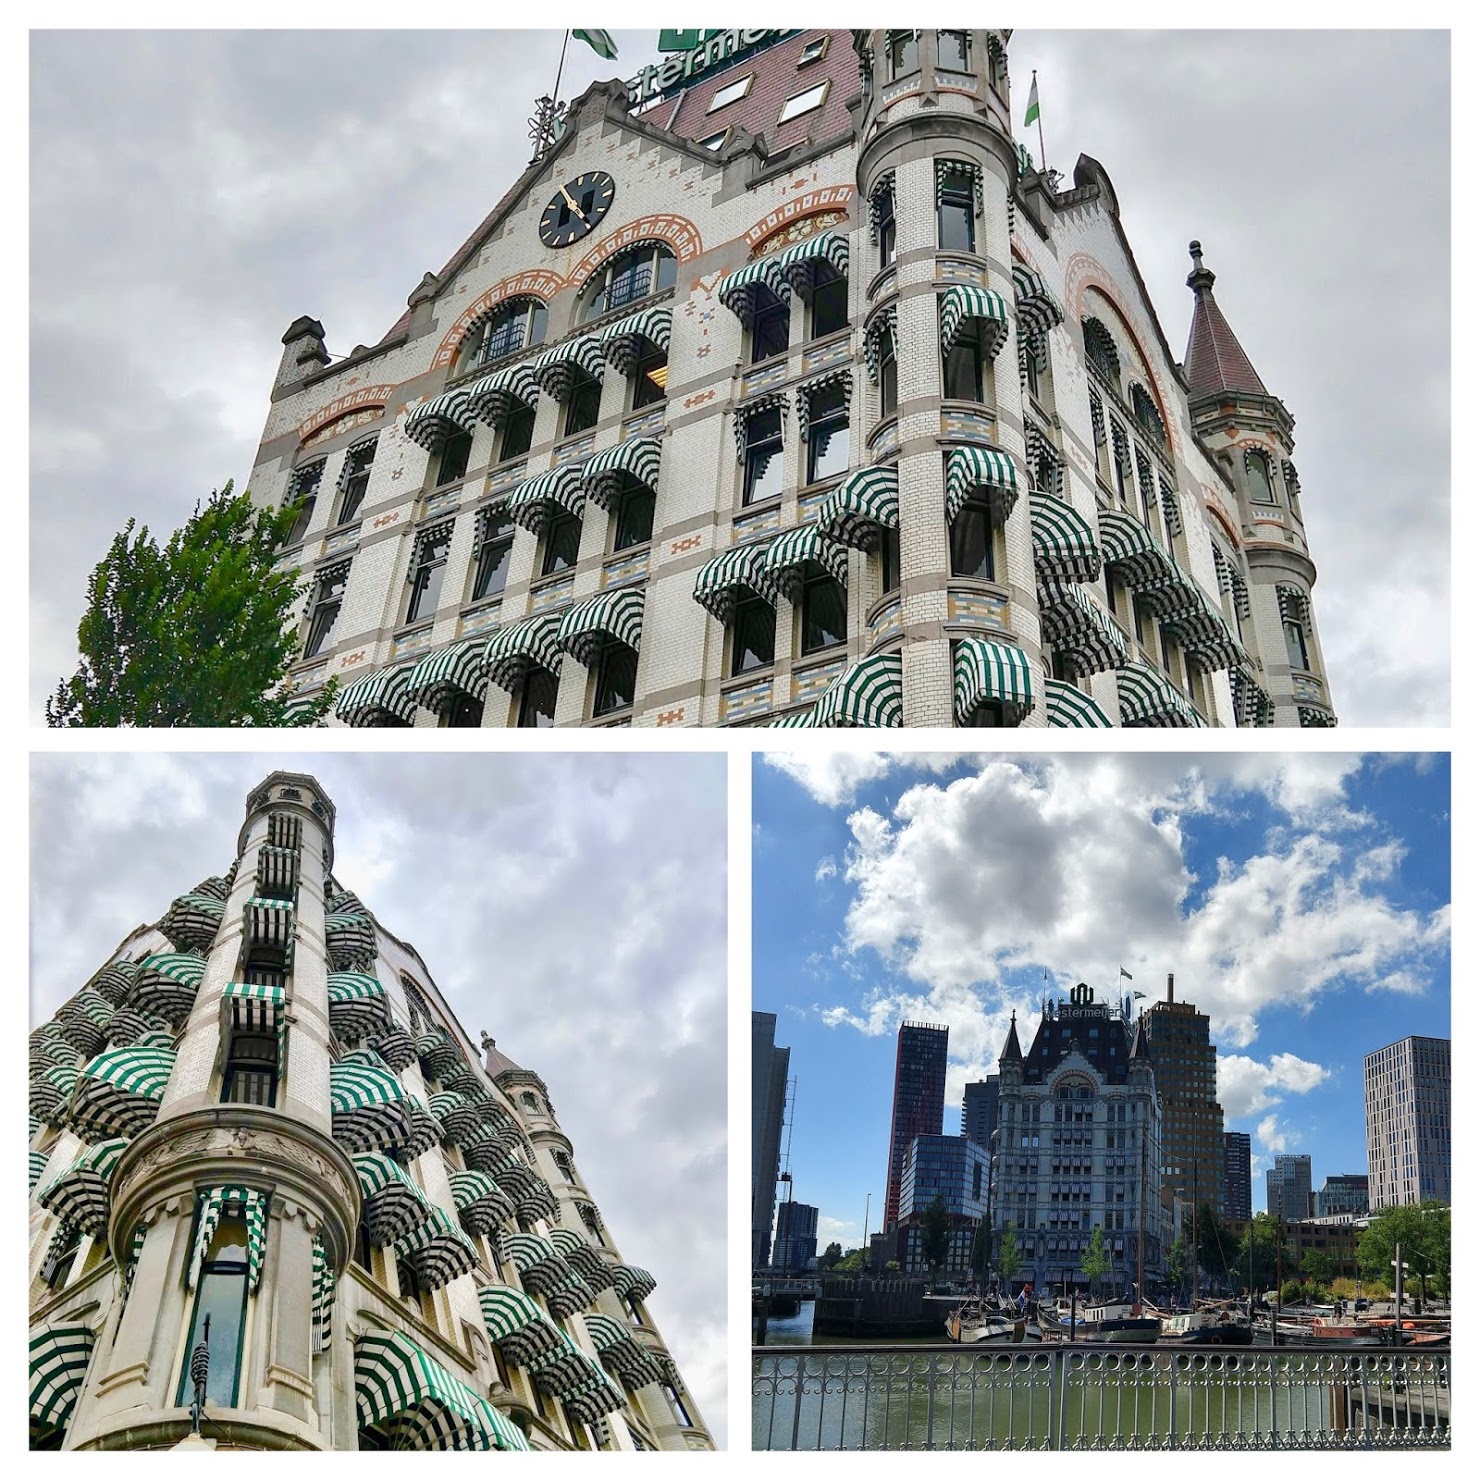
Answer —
886 235
562 543
454 458
300 524
467 714
888 381
537 704
904 54
963 372
763 473
539 317
616 679
634 518
971 543
890 556
518 434
650 380
827 451
957 223
667 270
1295 645
326 614
951 47
830 307
585 406
354 496
427 591
755 636
824 614
493 567
771 332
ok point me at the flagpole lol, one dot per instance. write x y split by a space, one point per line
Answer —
565 41
1042 149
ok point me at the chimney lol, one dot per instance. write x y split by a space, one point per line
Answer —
1169 987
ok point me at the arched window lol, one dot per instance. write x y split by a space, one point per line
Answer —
1099 350
513 325
221 1295
627 278
1145 412
1261 483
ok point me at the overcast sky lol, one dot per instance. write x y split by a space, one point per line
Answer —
193 193
572 906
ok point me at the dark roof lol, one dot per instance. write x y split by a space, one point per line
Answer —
1011 1050
1102 1041
1215 360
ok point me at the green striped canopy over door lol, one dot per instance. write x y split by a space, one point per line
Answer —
869 695
611 616
444 416
963 302
1148 700
79 1196
861 508
495 397
512 651
980 470
59 1358
1071 709
214 1202
986 670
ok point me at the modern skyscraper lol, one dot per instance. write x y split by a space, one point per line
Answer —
768 1071
1237 1193
1344 1193
796 1236
919 1101
979 1111
260 1115
1406 1087
959 1172
1287 1188
1186 1065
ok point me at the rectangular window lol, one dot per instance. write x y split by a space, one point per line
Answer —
518 434
955 215
971 543
325 611
953 49
803 102
537 700
251 1070
650 379
963 366
715 141
426 580
221 1296
466 713
493 556
616 679
454 461
770 330
754 636
888 376
824 614
584 406
886 227
827 434
355 480
731 92
889 555
304 485
562 543
813 51
634 518
1295 645
904 53
829 303
762 457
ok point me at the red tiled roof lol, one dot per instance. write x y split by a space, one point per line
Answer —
1215 360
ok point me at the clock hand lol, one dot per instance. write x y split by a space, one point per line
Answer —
575 210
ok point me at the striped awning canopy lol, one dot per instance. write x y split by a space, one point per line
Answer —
324 1281
277 870
1252 706
115 980
721 583
49 1092
494 397
482 1204
463 1077
537 1261
610 616
499 1138
1142 565
257 1007
438 1053
1204 633
799 264
631 1282
1072 709
626 1358
367 1106
39 1160
1037 308
885 321
400 1388
512 651
557 491
59 1358
396 1046
861 508
1083 634
980 470
556 368
797 719
740 291
1148 700
531 1194
1064 547
448 673
422 1130
621 343
602 476
987 671
166 986
83 1022
459 1120
192 920
437 1249
357 1005
963 301
79 1195
351 939
517 1326
582 1257
444 416
379 699
119 1092
790 553
48 1047
215 1202
296 710
579 1383
869 695
269 922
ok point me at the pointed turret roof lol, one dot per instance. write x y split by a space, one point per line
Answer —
1140 1049
495 1060
1011 1051
1215 360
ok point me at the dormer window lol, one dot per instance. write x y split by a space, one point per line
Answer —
804 102
731 92
813 51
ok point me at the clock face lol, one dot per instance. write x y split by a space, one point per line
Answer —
576 208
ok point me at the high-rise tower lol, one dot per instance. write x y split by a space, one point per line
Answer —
1406 1089
768 1070
919 1101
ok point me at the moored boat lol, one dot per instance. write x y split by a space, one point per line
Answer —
977 1322
1120 1322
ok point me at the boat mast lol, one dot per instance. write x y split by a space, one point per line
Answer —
1194 1233
1141 1240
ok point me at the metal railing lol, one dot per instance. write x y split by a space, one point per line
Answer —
929 1397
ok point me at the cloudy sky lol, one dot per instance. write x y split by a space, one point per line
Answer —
1302 902
578 915
194 192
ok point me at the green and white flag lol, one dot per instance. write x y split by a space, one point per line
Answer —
1032 101
599 41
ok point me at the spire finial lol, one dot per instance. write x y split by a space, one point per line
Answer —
1200 279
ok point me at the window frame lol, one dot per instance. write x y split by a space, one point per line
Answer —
955 191
214 1270
817 48
236 1066
975 508
1294 626
890 571
835 286
562 521
745 608
433 568
777 311
524 417
462 441
888 375
945 66
632 493
320 634
888 230
585 395
496 535
645 390
814 582
788 114
529 714
309 496
354 481
969 339
829 425
482 346
774 447
718 99
603 688
899 67
717 141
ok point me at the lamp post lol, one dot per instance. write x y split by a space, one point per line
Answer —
1400 1271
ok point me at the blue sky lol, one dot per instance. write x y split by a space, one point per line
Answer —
1301 901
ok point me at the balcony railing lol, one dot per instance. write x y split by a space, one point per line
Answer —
1095 1398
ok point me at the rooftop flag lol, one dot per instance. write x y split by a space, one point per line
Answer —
1028 117
599 41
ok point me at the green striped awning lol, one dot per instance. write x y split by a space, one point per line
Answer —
621 343
977 469
556 368
493 398
39 1160
120 1091
166 986
438 1053
115 980
398 1386
368 1107
277 870
444 416
324 1280
252 1207
83 1022
357 1005
451 671
963 301
797 719
192 920
799 264
1037 308
740 291
79 1195
631 1282
481 1203
394 1204
885 321
255 1006
1083 634
1072 709
789 554
378 700
861 508
603 475
460 1121
517 1326
986 671
557 491
1252 706
535 1258
1064 546
580 1384
49 1092
351 939
622 1354
1204 633
720 583
396 1046
610 616
869 695
512 651
269 922
1148 700
530 1192
422 1130
59 1358
438 1250
1142 565
582 1257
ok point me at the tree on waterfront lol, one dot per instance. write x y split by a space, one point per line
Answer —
1317 1266
830 1256
1423 1231
199 632
981 1251
1096 1261
1262 1238
1177 1262
1008 1261
935 1235
1218 1248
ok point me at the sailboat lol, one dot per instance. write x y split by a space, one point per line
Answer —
1127 1321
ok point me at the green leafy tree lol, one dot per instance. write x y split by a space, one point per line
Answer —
1096 1260
1423 1231
1262 1237
1317 1266
935 1234
199 632
1177 1263
855 1261
891 1266
1008 1259
1218 1247
830 1256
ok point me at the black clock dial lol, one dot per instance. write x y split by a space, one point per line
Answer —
576 208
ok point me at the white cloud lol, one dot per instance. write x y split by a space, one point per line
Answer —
1275 1137
827 869
830 777
1246 1086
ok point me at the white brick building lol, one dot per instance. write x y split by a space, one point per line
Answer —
796 394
